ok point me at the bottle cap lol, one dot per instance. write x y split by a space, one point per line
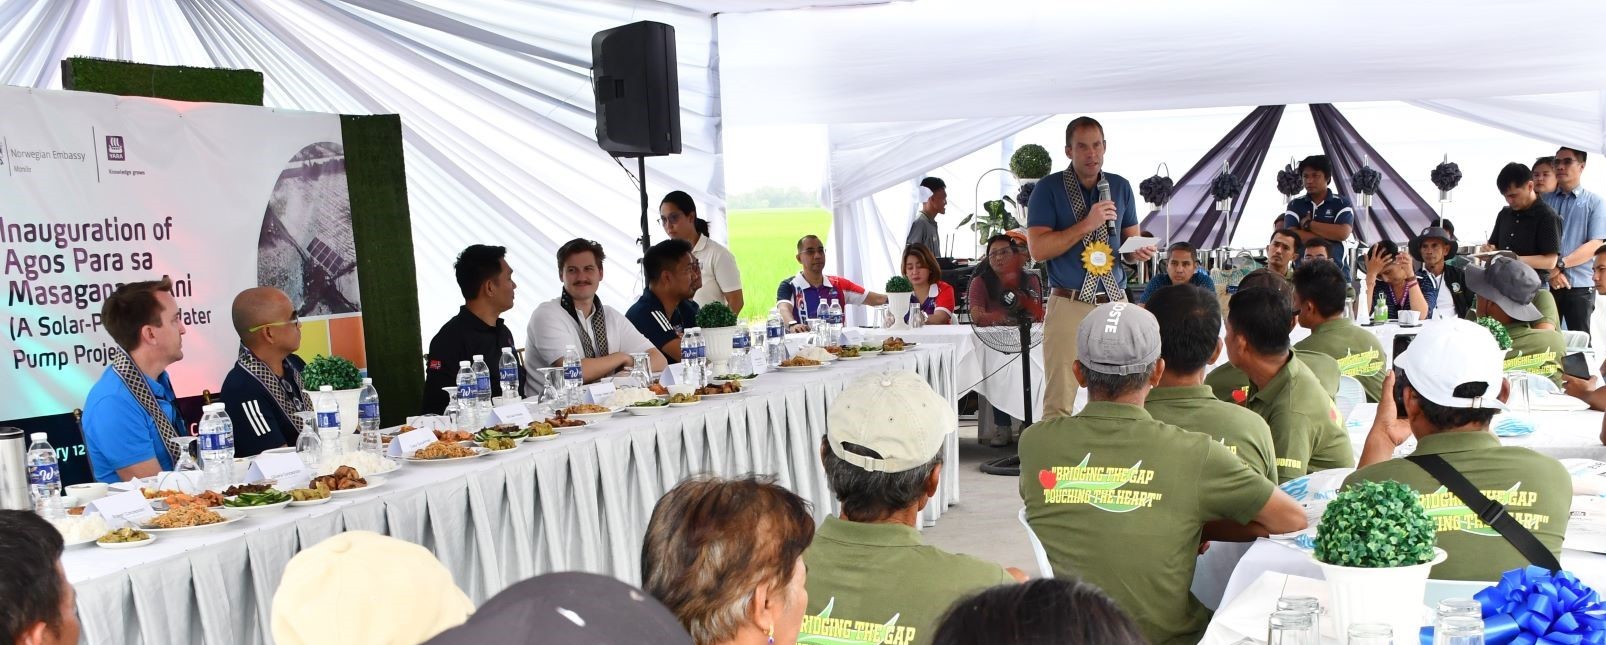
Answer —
367 381
212 407
462 363
479 357
39 436
326 388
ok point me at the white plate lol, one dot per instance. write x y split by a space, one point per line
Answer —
799 368
863 351
851 358
583 426
73 544
593 418
477 444
685 405
722 381
312 502
478 452
643 411
374 481
229 515
151 537
723 396
253 510
545 438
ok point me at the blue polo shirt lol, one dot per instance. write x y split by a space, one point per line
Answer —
1333 210
117 430
647 314
1050 206
1583 218
1162 280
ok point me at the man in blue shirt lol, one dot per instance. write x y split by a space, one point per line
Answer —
1181 267
1319 213
1075 222
131 413
666 308
1583 229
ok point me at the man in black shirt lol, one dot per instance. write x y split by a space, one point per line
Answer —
263 392
666 308
1526 226
487 283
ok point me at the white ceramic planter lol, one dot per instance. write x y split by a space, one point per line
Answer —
898 304
717 340
348 407
1391 595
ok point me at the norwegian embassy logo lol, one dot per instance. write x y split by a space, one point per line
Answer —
114 148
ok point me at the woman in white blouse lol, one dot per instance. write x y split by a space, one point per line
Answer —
721 280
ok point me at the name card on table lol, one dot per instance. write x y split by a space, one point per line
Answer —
407 443
758 363
517 414
672 375
599 392
279 467
430 422
852 337
130 507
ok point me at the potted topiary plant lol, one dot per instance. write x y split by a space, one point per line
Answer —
1030 163
344 377
899 306
1375 548
719 327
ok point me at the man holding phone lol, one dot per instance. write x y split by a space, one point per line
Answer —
1581 384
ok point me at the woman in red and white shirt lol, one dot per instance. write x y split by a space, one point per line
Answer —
935 297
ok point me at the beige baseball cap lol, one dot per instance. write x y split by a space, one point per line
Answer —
363 587
895 415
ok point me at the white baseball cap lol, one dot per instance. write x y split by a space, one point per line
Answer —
1450 353
895 415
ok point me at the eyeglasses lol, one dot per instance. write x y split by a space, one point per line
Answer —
295 321
1002 253
672 219
1566 161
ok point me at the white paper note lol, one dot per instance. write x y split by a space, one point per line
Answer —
1134 243
130 507
279 467
599 392
672 375
517 414
407 443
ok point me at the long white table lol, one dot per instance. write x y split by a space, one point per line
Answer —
580 502
979 368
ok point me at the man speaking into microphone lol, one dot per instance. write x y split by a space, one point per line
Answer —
1075 221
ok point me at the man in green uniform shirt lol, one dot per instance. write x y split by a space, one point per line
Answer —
1453 386
1319 292
1230 384
1123 501
1305 425
1506 289
1190 326
871 580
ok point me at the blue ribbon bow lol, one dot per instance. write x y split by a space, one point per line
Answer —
1532 606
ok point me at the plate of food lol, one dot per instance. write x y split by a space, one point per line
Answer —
894 344
800 364
727 378
722 390
363 462
503 437
125 538
645 408
345 480
817 353
869 350
268 500
684 400
540 431
453 436
590 413
80 529
562 424
191 518
319 493
848 353
441 452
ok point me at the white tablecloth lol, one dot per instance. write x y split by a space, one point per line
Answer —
979 368
580 502
1563 435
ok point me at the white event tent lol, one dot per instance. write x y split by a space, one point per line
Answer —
497 110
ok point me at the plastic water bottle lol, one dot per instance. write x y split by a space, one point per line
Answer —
573 376
737 364
368 418
216 443
44 477
467 398
774 338
1380 309
328 411
692 353
508 372
482 387
835 323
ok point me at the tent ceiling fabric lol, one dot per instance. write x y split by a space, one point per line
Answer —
945 59
495 98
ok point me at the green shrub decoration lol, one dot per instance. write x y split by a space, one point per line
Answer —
333 371
1031 161
1499 331
715 315
899 284
1373 525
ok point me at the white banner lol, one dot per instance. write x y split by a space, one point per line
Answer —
98 190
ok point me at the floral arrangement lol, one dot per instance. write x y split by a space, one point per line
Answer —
715 315
1366 181
1031 161
1375 524
899 284
333 371
1289 181
1446 176
1157 190
1226 186
1499 331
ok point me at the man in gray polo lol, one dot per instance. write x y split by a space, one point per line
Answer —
1123 501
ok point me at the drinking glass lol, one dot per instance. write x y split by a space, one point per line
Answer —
1370 634
1458 630
1291 628
308 446
641 370
1306 605
1518 401
453 412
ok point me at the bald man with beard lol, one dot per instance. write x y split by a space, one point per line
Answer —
264 390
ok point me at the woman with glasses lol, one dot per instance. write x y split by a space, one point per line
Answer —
721 280
1002 292
935 297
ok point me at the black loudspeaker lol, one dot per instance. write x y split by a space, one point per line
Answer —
637 90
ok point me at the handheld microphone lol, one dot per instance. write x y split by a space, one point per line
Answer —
1104 196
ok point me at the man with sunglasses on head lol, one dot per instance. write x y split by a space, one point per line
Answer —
1583 229
264 391
798 298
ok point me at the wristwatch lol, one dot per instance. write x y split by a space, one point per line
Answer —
1561 263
